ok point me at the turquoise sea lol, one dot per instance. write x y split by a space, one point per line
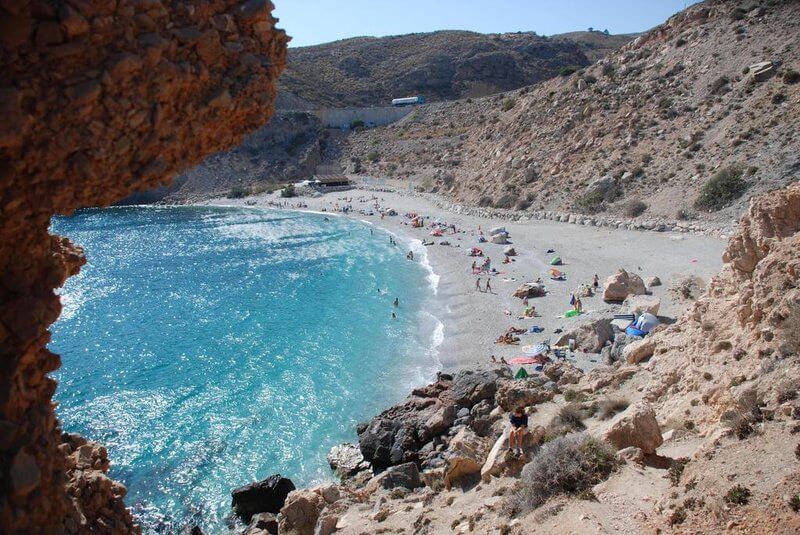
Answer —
209 347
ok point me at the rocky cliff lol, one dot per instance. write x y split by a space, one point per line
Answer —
686 121
100 98
694 431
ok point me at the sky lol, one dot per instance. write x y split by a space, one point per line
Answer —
311 22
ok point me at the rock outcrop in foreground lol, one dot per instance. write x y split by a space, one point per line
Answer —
99 99
695 432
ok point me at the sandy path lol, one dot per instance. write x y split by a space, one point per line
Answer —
473 320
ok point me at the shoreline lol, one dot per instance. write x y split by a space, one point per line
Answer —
472 320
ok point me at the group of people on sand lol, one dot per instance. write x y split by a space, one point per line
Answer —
488 288
485 267
509 337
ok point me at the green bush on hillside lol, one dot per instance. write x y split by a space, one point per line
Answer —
372 156
357 123
567 70
288 191
721 189
238 192
508 104
791 76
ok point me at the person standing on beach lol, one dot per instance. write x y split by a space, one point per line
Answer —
396 302
478 285
596 282
489 286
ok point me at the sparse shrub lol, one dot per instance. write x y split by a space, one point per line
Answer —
508 104
675 470
738 13
786 391
680 42
569 419
238 192
589 79
567 465
608 69
678 516
737 495
372 156
664 103
357 123
738 421
685 215
797 452
485 201
506 201
611 406
634 208
778 98
288 191
794 502
523 204
791 76
574 395
590 202
723 188
567 70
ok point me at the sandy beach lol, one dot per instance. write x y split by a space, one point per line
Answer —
473 320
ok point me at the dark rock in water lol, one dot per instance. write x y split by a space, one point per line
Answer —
192 530
265 496
403 475
263 521
473 386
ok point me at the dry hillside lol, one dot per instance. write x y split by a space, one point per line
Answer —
444 65
641 130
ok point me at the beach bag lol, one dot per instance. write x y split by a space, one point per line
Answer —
572 300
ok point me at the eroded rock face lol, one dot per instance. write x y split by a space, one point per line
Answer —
99 99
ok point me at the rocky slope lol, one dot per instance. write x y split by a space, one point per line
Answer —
695 430
445 65
99 99
637 134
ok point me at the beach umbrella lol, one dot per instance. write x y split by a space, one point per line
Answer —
532 351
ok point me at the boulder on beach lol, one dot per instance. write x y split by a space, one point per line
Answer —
589 337
530 289
653 281
622 284
500 239
265 496
510 251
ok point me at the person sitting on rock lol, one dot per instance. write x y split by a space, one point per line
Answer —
519 425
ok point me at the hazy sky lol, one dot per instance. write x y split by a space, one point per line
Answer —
312 22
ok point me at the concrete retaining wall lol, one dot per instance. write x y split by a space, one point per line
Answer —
343 117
